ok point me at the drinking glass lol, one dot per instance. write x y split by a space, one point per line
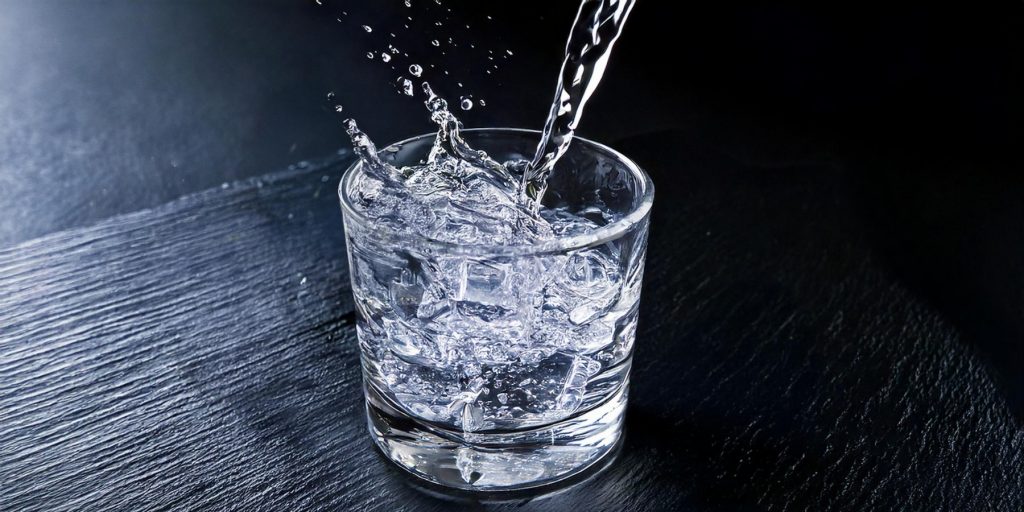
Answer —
502 367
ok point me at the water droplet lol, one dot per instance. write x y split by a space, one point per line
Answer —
338 108
367 29
369 55
319 2
459 84
407 87
330 95
508 52
483 103
408 3
416 70
428 91
435 42
466 103
385 57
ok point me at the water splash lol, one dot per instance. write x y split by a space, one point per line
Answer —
450 141
597 27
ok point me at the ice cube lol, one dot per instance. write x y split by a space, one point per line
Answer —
502 468
482 282
588 287
405 294
574 387
433 301
408 343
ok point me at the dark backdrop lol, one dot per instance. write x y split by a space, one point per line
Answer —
110 106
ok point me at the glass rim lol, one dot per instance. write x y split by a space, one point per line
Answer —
596 237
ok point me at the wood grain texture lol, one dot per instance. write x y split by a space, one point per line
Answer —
201 356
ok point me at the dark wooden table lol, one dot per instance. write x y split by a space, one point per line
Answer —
821 328
201 354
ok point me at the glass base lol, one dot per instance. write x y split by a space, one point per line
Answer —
497 461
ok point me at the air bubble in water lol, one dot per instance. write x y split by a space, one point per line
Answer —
435 42
483 103
367 28
466 103
369 55
385 57
416 70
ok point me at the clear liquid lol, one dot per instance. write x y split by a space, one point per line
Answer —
598 26
486 343
483 344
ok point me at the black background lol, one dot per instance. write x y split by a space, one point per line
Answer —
110 106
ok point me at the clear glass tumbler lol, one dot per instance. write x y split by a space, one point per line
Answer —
502 367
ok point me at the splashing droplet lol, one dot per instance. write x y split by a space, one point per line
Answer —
367 29
406 86
466 103
416 70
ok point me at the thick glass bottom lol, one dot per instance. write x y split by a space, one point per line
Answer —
500 460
